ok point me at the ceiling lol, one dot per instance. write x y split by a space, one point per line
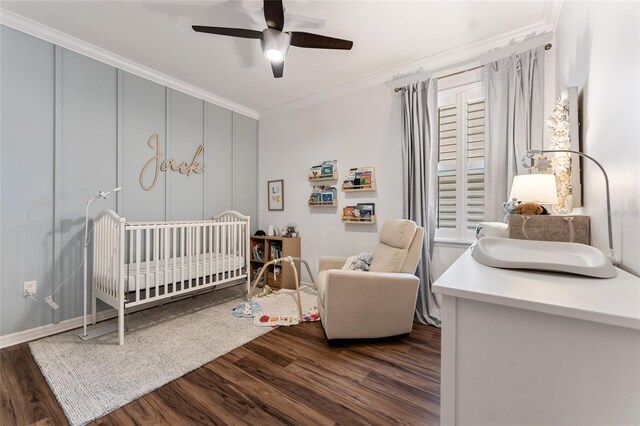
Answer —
386 35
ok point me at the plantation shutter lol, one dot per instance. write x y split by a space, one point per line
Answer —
475 163
447 167
461 137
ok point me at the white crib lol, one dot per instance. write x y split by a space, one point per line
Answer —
136 263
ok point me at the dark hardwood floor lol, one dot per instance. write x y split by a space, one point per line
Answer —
289 376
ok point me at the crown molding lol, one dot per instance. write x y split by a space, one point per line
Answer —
51 35
552 9
449 58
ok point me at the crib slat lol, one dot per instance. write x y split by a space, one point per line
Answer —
156 257
197 268
175 254
165 244
224 251
217 250
189 248
110 259
137 233
182 253
234 229
210 253
147 256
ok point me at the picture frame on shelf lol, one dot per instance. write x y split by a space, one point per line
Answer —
275 189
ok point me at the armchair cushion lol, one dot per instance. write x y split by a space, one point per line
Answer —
398 233
395 239
387 258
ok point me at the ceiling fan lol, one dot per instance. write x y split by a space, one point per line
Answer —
275 43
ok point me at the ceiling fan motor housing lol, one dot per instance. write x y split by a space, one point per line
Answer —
275 44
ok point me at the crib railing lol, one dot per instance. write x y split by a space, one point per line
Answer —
172 258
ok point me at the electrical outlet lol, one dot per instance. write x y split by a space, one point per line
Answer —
29 288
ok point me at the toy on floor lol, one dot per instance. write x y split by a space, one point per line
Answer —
247 309
266 291
292 262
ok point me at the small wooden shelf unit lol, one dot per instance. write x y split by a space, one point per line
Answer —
272 248
360 188
323 178
371 186
359 221
334 203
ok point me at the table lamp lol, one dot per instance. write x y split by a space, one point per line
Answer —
540 188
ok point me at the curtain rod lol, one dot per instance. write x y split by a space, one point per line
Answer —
397 89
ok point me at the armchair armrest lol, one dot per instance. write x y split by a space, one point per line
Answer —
348 280
331 262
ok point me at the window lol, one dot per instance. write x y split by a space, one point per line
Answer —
460 202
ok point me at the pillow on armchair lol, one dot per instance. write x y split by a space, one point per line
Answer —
395 239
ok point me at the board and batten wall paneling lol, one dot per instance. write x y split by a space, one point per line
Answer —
26 167
88 160
245 166
71 126
143 115
184 136
218 172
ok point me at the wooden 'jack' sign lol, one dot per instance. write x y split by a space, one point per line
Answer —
162 166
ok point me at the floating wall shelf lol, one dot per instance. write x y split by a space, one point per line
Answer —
360 179
360 188
334 203
359 221
322 178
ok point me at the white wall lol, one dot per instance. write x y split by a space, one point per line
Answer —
358 129
598 50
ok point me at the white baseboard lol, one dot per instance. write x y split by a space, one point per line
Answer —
50 329
66 325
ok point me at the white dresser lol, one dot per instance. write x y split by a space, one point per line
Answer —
537 348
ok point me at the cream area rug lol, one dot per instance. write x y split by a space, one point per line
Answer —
93 378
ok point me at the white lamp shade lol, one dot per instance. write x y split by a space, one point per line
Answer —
540 188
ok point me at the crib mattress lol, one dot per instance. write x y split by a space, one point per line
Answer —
204 265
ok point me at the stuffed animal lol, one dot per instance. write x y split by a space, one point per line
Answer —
529 208
509 208
360 262
290 230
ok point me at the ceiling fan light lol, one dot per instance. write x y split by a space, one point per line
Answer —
274 55
275 44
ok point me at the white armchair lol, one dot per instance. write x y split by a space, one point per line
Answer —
378 303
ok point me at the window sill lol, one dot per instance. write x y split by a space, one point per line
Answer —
450 242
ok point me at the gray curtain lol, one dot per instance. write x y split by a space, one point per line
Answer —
419 167
514 110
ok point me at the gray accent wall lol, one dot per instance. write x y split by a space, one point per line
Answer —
69 126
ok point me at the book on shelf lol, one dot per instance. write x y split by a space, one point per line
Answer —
359 178
315 172
323 194
275 250
359 211
257 251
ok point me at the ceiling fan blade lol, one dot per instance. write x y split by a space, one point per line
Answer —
233 32
274 14
277 68
315 41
